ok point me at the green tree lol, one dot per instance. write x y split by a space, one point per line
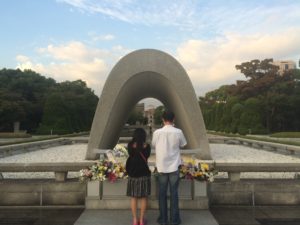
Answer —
136 117
251 120
158 114
256 69
22 96
266 102
236 112
70 108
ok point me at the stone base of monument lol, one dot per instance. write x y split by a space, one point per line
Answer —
107 195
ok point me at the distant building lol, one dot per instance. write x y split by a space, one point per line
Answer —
285 65
140 108
149 113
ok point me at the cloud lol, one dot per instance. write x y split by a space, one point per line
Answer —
22 58
211 63
209 17
167 12
72 61
106 37
72 51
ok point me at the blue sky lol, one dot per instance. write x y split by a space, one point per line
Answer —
83 39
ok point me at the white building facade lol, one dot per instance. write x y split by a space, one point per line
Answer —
285 65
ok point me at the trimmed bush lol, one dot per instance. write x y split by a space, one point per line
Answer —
286 135
14 135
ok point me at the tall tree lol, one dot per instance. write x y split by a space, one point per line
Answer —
266 102
22 98
256 69
158 114
70 108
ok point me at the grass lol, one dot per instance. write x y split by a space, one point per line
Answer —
14 135
286 135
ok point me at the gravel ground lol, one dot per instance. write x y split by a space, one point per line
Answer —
64 153
220 153
237 153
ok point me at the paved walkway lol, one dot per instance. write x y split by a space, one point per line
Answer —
117 217
224 215
259 215
39 215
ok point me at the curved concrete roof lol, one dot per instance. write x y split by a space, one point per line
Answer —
142 74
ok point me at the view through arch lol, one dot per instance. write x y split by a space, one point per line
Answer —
142 74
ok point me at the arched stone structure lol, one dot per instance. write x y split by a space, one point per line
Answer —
141 74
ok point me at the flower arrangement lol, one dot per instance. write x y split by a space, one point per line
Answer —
113 168
104 170
118 154
120 151
193 169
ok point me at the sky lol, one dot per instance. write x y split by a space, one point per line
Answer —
84 39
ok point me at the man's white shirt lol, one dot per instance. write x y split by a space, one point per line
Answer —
167 142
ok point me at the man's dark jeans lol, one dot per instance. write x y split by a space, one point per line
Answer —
171 180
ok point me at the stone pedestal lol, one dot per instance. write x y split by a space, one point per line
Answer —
61 176
16 127
112 195
114 190
199 189
93 188
185 189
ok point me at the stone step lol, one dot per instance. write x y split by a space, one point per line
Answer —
117 217
124 203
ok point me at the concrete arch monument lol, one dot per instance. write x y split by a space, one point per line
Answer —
141 74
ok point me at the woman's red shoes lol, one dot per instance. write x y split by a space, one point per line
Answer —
143 223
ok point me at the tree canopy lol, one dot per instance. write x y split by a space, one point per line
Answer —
266 102
41 104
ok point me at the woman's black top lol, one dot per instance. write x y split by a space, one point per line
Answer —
136 165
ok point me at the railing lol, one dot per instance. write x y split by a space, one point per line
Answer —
60 169
182 151
234 170
264 145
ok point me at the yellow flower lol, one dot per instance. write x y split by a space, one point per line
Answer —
199 174
204 167
191 161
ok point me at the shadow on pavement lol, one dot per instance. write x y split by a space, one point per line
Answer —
259 215
39 216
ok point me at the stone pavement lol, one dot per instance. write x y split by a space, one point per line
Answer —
259 215
224 215
39 215
123 217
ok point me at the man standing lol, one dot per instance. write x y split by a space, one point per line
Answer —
167 142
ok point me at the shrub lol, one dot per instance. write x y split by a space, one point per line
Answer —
14 135
286 135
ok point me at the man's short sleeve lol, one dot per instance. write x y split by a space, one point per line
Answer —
182 140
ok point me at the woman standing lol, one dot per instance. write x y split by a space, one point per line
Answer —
139 181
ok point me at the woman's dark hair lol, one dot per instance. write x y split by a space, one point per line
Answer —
139 137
